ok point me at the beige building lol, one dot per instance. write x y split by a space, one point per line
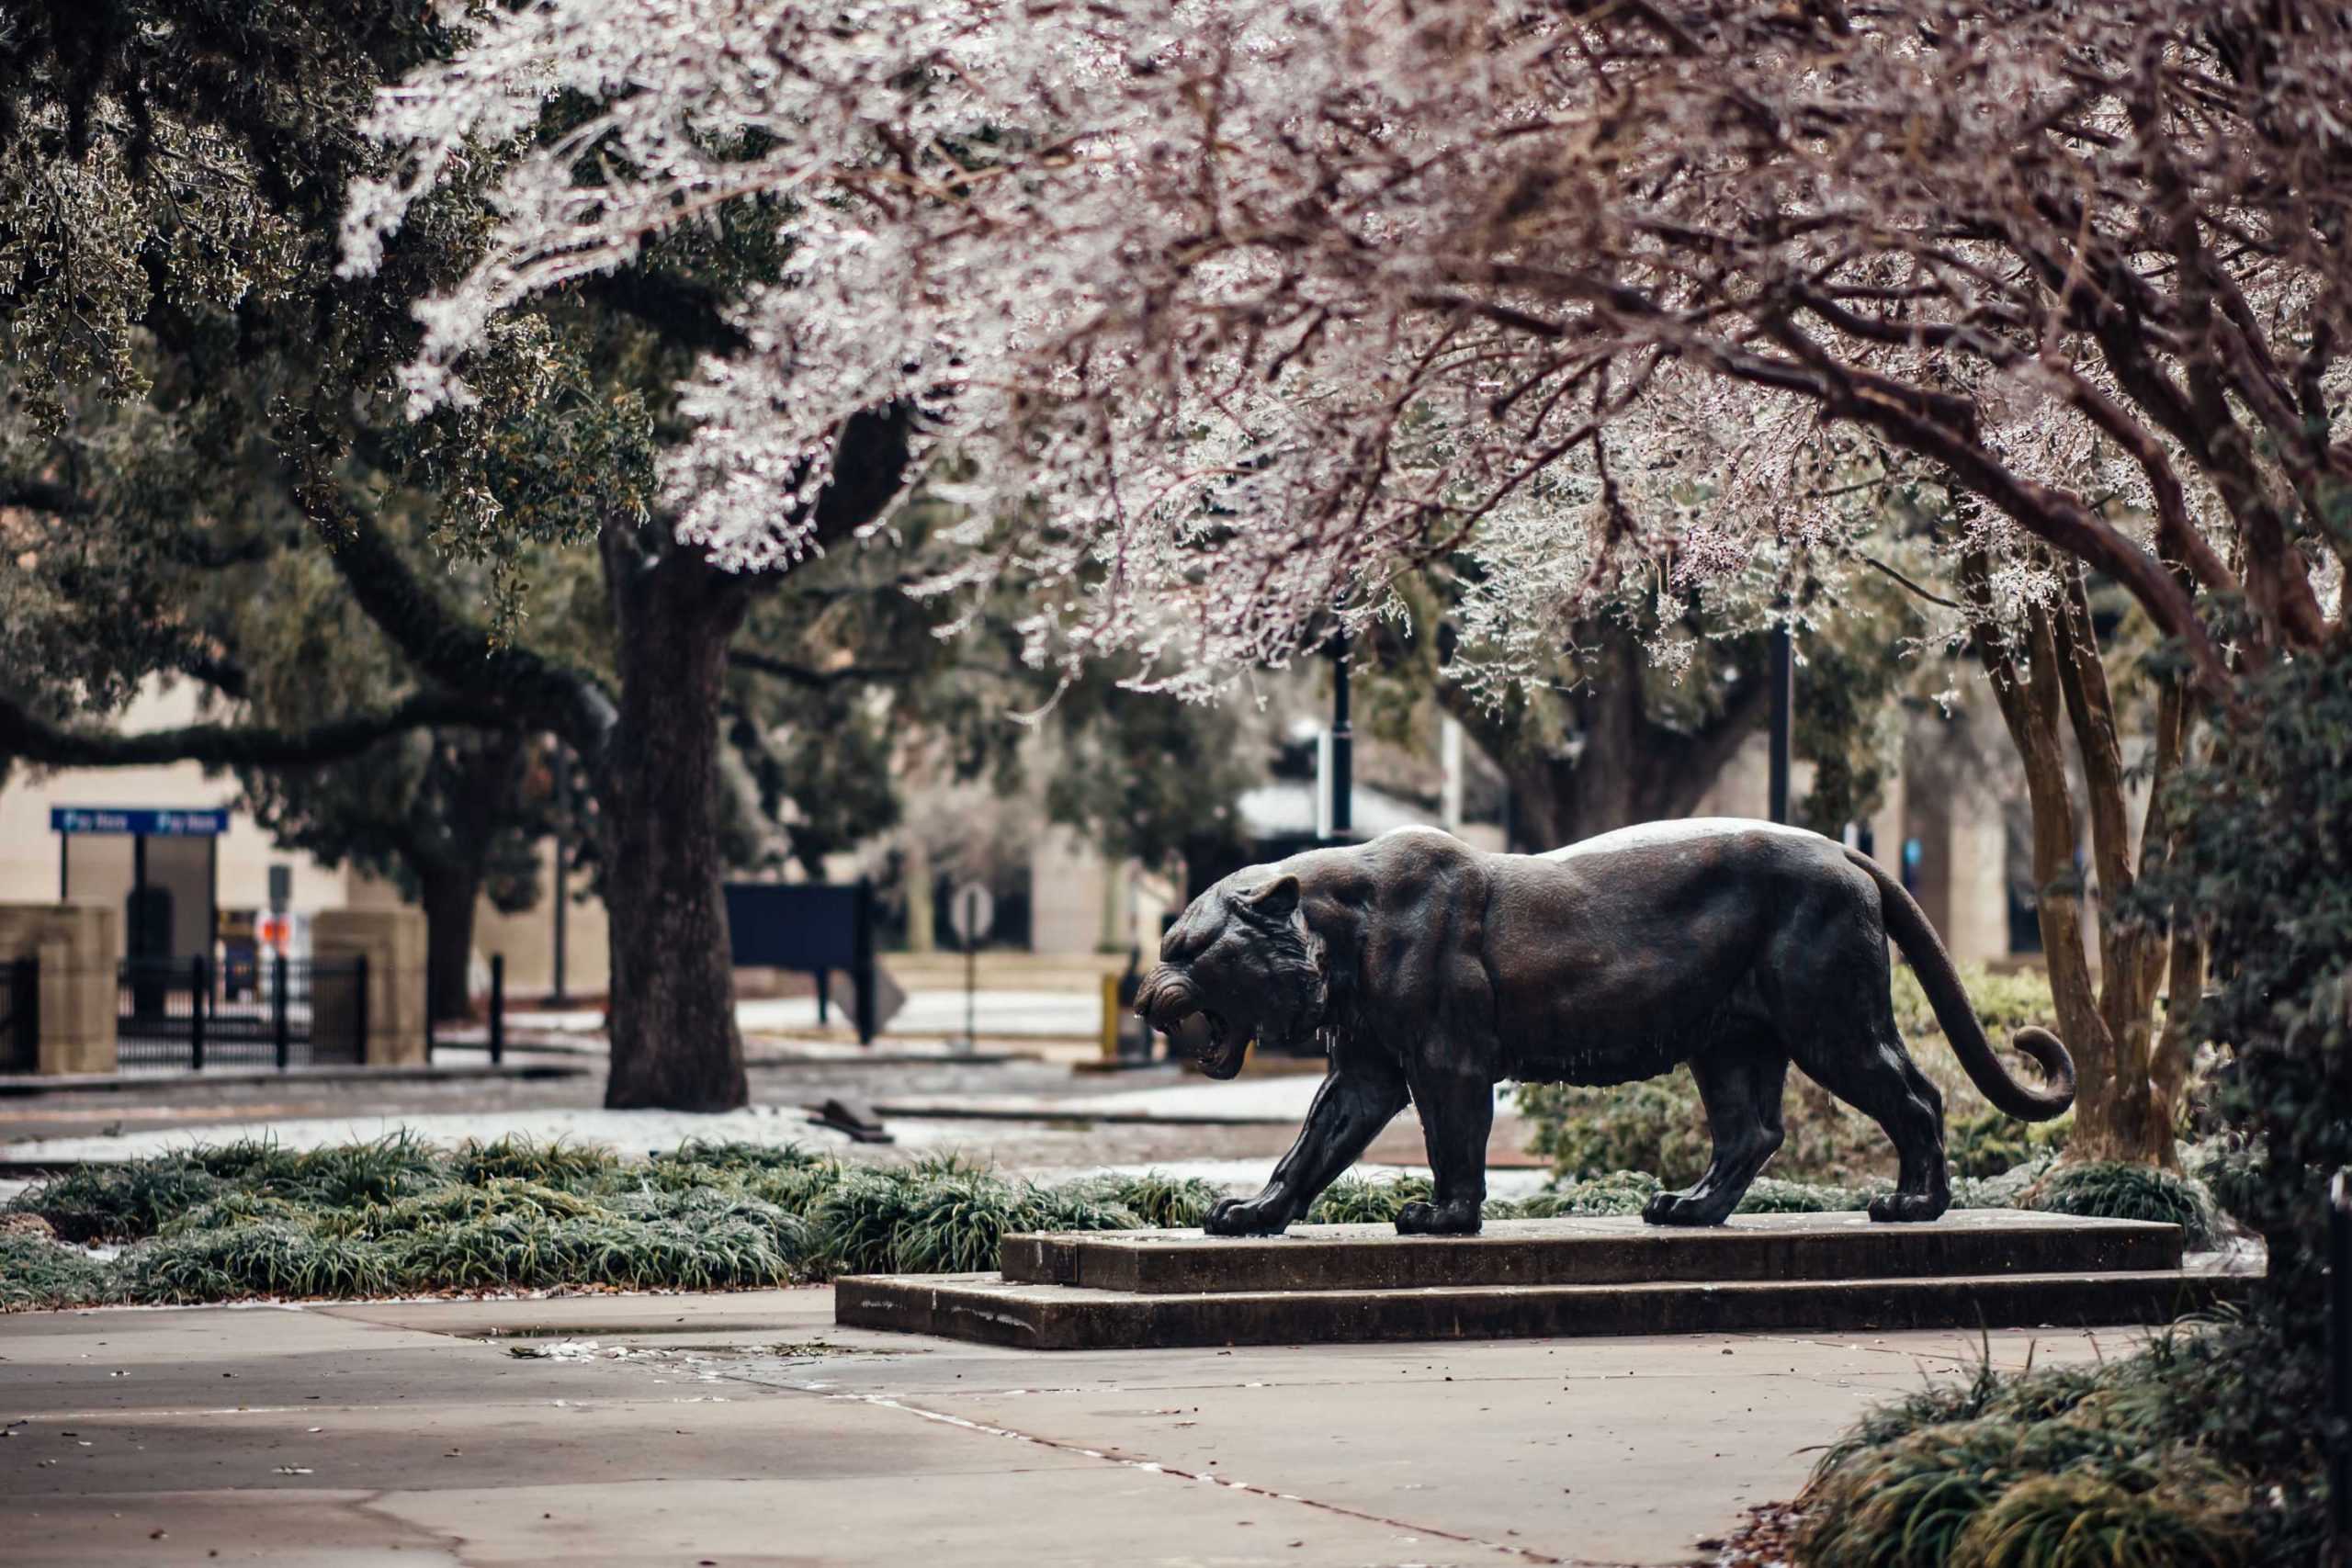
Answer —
203 884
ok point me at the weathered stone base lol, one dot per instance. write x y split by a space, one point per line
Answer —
1340 1284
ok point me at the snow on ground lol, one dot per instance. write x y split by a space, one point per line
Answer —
1246 1175
995 1014
1273 1097
628 1133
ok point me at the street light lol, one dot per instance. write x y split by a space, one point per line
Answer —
1343 781
1785 687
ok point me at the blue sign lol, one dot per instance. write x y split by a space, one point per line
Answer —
147 821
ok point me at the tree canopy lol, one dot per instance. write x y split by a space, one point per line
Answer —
1236 304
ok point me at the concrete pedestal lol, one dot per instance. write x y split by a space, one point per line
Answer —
1543 1278
77 945
392 941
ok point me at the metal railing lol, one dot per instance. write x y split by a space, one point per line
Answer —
192 1013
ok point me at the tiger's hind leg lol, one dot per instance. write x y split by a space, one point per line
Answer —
1739 1083
1870 1070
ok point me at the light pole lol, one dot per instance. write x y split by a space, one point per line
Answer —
562 862
1343 781
1783 679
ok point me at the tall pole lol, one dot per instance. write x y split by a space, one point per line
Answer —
1343 784
1783 679
562 888
971 970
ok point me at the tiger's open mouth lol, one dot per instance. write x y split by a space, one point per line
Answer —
1222 1057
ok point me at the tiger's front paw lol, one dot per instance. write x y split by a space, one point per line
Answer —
1244 1216
1438 1219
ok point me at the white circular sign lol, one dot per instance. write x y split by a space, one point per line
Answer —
971 913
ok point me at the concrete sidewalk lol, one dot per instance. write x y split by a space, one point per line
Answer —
740 1429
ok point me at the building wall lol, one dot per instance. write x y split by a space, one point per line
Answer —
528 941
29 850
1068 884
100 869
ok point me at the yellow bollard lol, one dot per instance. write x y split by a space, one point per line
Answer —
1110 1018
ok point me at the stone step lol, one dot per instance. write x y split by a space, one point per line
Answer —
1597 1250
988 1308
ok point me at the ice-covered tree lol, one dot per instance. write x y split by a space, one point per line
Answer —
1219 311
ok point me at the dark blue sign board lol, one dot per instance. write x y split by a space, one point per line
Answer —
146 821
812 927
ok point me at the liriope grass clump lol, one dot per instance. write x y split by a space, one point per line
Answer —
1368 1200
396 1215
1618 1192
255 1257
1160 1201
555 1163
2075 1467
2083 1519
2115 1190
37 1272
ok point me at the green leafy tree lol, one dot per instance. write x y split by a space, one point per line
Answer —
180 341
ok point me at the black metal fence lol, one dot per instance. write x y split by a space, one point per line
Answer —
192 1013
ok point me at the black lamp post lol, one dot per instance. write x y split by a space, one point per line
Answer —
1343 782
1784 685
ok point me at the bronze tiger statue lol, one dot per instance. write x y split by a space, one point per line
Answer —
1430 971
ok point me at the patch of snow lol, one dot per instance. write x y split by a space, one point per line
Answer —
628 1133
1246 1175
1284 1096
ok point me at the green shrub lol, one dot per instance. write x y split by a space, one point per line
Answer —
737 1157
1653 1124
36 1272
798 1189
2080 1519
1962 1472
1073 1206
2004 1002
1368 1200
2237 1177
118 1201
1919 1500
1618 1192
238 1207
458 1203
1162 1201
2107 1190
2000 1192
260 1259
555 1163
955 1224
375 1170
857 1220
1770 1197
1987 1142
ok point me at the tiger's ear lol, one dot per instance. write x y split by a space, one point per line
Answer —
1277 900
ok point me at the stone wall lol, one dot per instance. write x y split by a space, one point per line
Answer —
77 945
392 941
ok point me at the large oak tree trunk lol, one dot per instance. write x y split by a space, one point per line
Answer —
674 1040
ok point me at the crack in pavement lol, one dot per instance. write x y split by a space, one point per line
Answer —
1153 1466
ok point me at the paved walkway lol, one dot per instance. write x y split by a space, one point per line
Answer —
745 1429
